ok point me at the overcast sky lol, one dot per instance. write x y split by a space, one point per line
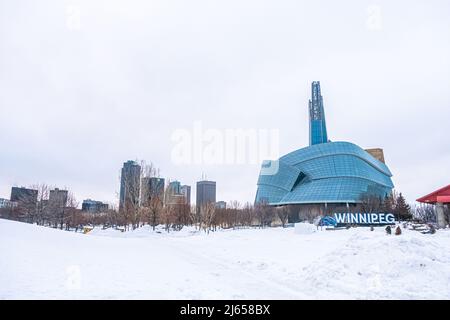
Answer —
87 85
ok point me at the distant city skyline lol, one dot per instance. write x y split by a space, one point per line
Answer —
82 94
144 186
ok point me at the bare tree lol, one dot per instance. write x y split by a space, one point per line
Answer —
233 215
167 216
69 210
248 215
283 214
425 213
42 203
207 212
264 213
152 198
181 213
112 216
194 217
76 219
221 218
307 212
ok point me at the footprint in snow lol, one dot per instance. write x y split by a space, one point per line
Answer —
262 266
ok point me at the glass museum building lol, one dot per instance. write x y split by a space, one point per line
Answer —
325 172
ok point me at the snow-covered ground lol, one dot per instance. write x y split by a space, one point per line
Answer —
273 263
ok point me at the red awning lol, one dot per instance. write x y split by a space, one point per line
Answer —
443 199
442 195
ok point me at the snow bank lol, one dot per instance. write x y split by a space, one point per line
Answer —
371 266
305 228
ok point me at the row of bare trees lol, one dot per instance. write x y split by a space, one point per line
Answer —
210 218
176 215
42 209
427 213
151 208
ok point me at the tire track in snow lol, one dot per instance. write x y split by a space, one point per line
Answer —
284 291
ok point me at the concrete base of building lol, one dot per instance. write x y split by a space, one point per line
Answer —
303 212
440 215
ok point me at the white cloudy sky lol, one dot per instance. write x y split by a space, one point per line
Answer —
80 94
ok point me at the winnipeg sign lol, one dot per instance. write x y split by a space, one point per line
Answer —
364 218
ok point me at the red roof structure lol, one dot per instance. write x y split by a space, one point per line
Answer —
442 195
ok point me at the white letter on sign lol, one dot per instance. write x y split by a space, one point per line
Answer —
390 218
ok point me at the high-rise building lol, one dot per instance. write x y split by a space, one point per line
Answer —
129 184
151 187
175 187
206 193
221 205
24 197
317 124
57 198
186 192
93 206
173 195
6 203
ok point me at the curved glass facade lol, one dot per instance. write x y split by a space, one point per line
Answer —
333 172
324 172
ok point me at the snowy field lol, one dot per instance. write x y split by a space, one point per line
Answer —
273 263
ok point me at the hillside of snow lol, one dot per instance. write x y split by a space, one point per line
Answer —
273 263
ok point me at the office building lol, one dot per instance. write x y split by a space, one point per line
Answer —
151 188
221 205
93 206
130 180
174 187
6 203
57 198
206 193
24 197
186 192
